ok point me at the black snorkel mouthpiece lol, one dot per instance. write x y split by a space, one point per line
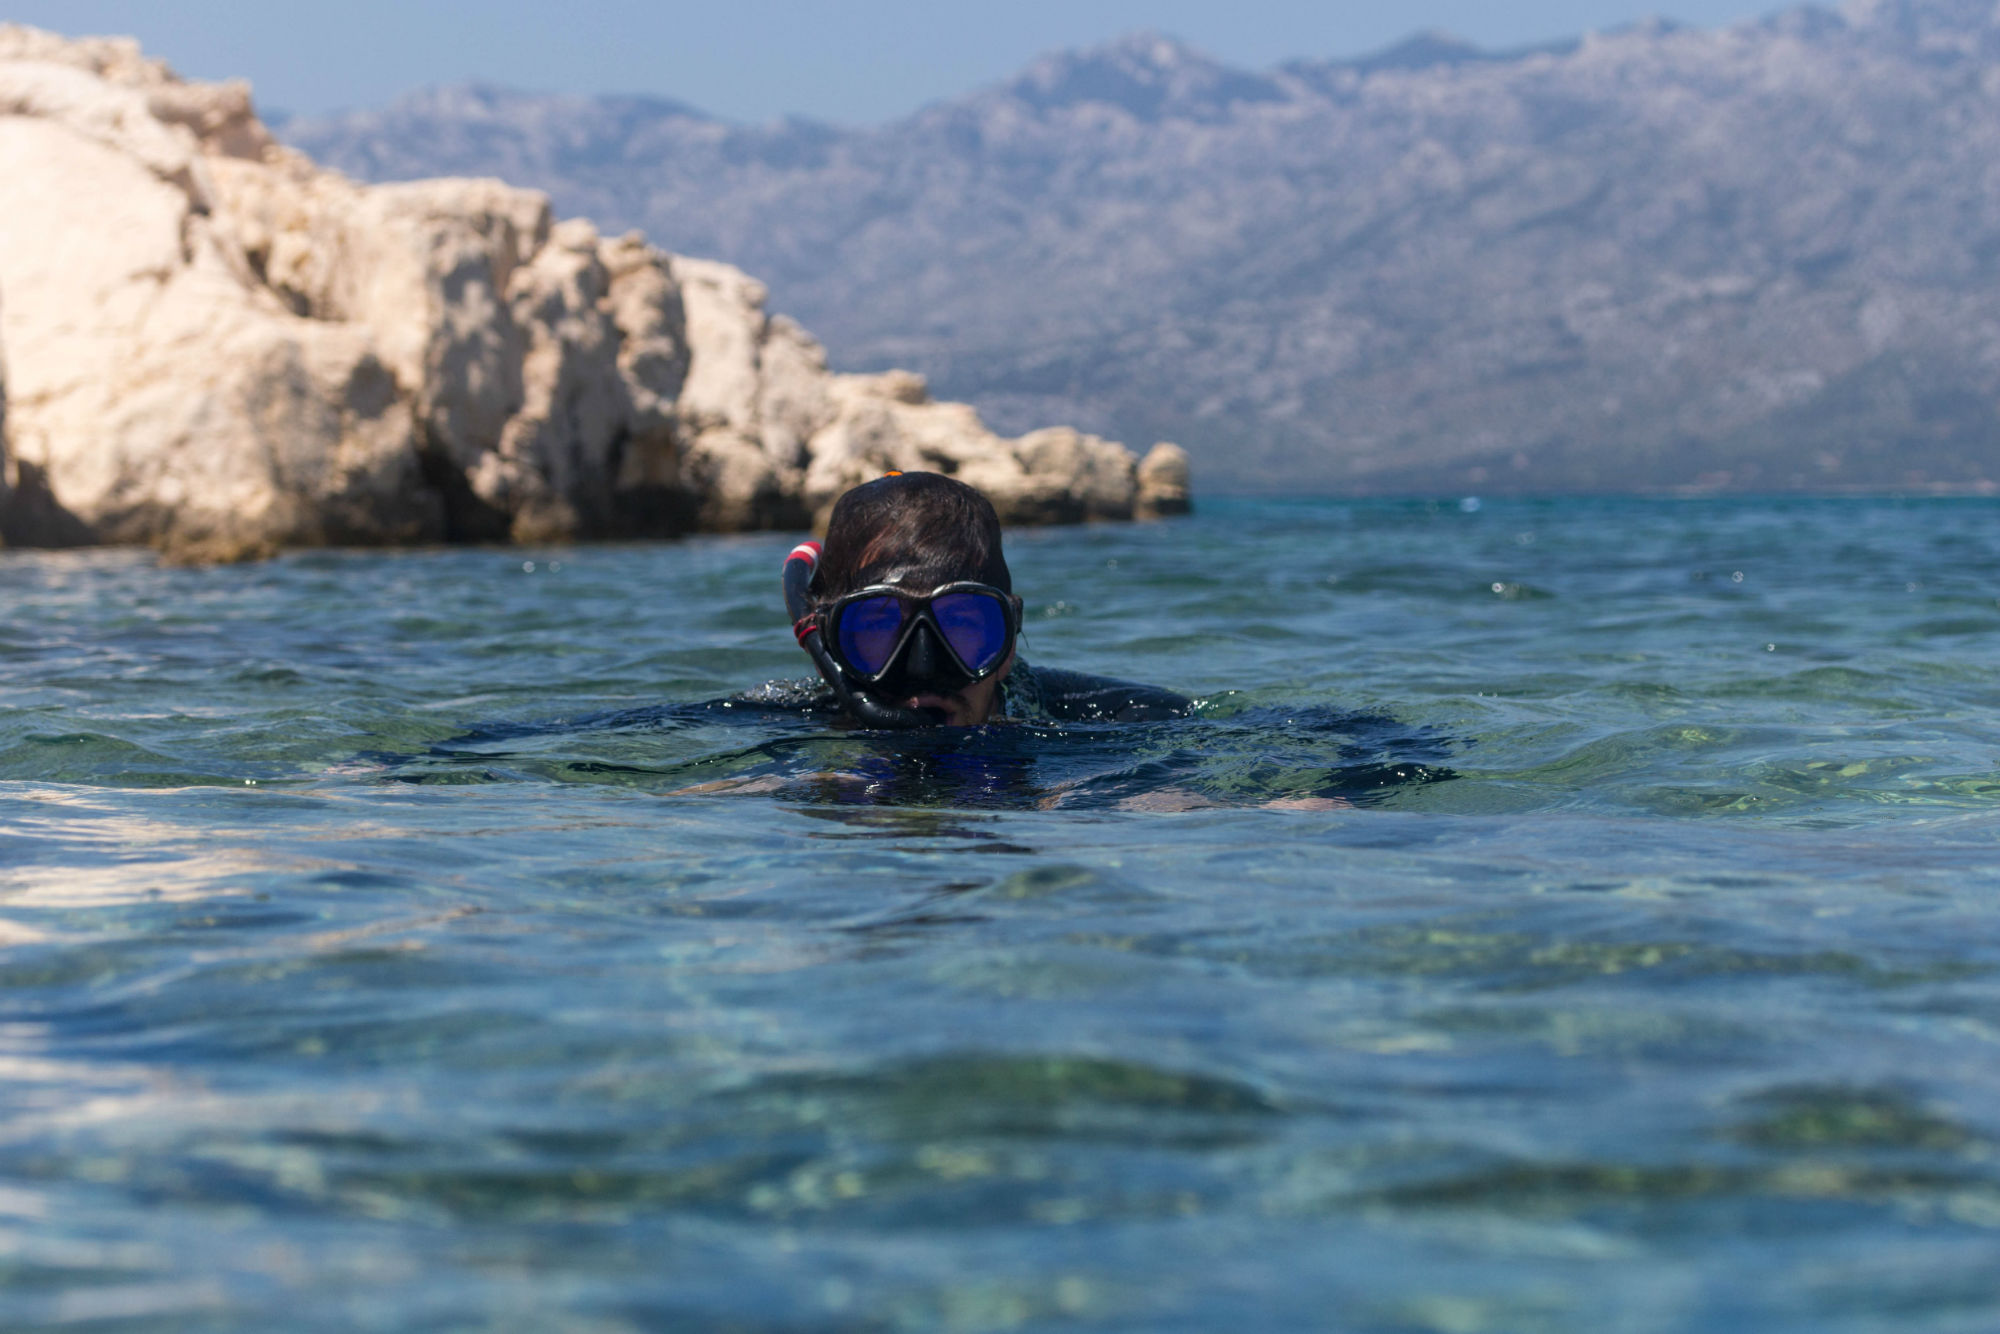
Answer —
857 702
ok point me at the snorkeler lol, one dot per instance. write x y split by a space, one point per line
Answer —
909 615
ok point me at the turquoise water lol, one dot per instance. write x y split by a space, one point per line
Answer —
1560 916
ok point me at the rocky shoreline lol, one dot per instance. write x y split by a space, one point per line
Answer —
210 345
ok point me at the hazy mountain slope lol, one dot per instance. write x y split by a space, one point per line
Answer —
1767 256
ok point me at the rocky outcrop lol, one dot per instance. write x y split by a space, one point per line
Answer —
221 349
1163 482
1763 256
6 465
766 427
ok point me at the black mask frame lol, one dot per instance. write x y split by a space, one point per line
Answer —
917 612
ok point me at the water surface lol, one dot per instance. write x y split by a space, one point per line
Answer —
365 961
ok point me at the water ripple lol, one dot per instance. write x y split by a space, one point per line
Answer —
1557 915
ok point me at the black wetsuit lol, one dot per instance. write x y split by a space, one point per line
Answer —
1038 693
1081 741
1029 694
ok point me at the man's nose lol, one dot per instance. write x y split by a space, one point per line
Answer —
928 665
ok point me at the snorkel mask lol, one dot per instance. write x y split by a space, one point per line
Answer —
884 642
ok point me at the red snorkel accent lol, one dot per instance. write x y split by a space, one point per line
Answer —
803 621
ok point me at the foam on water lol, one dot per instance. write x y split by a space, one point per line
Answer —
365 960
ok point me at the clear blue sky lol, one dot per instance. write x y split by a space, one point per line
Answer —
858 62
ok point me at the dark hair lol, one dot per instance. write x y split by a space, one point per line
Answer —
916 529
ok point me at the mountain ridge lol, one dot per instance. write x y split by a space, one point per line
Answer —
1654 258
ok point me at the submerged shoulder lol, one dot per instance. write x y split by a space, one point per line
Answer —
1067 696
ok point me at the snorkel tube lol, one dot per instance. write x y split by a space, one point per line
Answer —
869 711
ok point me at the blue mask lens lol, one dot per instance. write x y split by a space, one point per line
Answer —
975 625
868 631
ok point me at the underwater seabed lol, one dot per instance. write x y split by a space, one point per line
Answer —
367 961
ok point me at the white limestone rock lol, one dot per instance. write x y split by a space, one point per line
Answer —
221 349
1163 481
6 464
155 394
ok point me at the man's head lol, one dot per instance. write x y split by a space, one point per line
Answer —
917 532
911 529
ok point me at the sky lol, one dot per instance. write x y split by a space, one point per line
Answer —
859 62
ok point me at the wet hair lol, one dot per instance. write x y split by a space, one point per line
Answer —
916 529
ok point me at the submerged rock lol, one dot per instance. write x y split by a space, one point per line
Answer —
221 349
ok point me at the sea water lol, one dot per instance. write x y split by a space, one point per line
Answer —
1575 916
